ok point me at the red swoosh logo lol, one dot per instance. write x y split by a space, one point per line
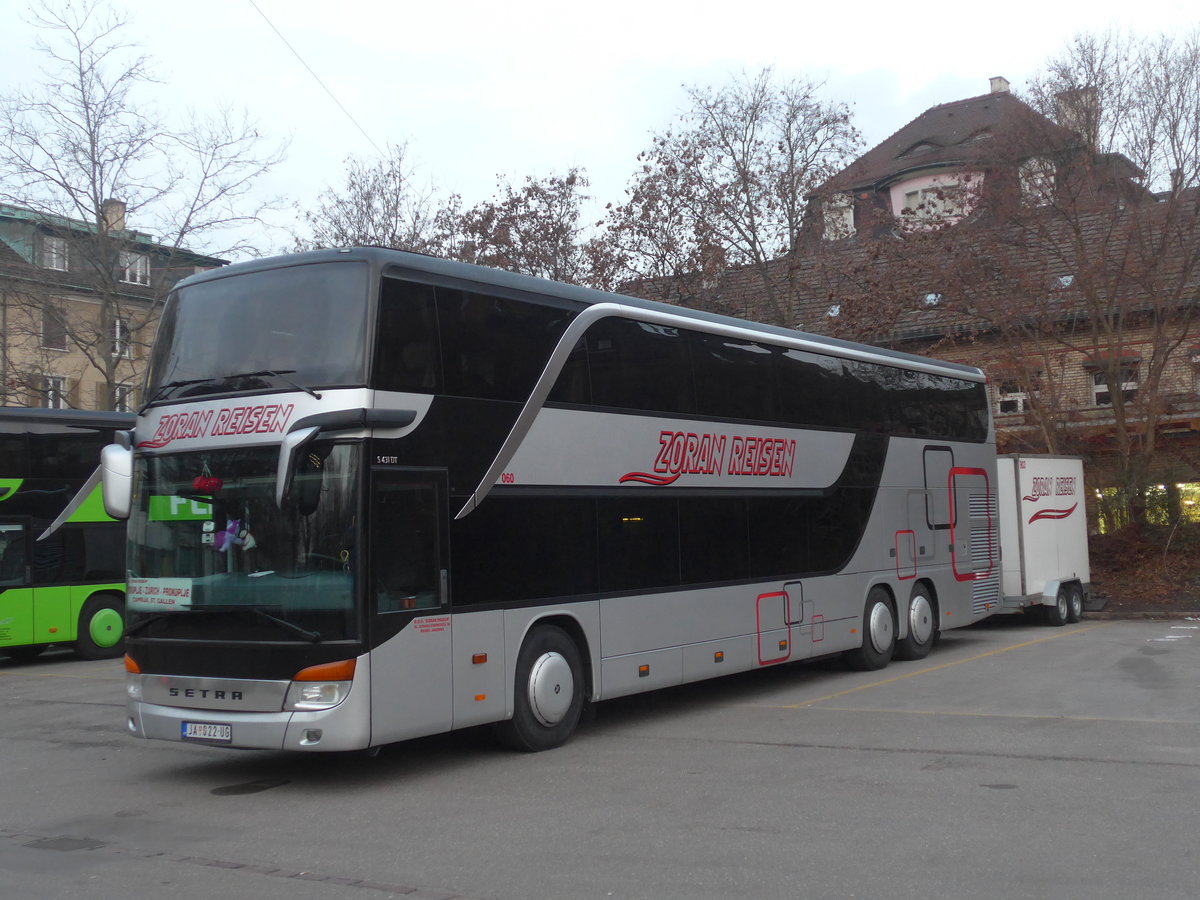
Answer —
647 478
1052 514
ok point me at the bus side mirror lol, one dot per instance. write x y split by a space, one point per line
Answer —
116 473
293 442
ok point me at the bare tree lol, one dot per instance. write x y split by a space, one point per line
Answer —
84 153
379 204
537 229
729 186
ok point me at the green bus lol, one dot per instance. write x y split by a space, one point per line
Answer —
66 589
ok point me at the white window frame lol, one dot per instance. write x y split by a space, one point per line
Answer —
839 217
1128 374
119 338
56 390
55 253
1010 392
1037 181
123 398
135 267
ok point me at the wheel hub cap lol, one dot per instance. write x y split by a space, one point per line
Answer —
920 619
105 628
551 688
881 627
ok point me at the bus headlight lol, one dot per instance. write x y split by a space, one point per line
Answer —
320 687
316 694
133 687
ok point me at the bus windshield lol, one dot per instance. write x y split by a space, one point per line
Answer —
211 556
305 324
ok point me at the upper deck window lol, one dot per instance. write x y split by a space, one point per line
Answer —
307 322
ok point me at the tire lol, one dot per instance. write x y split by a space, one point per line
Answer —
24 654
1075 603
1060 612
101 632
548 699
879 634
922 625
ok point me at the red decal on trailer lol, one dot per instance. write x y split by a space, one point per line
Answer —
1052 514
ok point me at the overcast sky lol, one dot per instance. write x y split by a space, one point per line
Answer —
531 87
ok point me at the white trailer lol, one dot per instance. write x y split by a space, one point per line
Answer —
1043 536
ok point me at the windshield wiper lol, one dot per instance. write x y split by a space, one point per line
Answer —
158 393
277 373
220 379
310 636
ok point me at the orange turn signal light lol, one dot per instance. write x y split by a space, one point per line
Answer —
478 659
343 670
132 667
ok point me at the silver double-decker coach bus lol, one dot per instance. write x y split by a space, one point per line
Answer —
375 495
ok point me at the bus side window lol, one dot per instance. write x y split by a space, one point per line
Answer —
407 356
12 555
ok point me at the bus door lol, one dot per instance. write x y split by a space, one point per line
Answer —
408 593
16 591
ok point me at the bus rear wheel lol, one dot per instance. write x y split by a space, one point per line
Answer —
879 633
549 692
922 625
101 632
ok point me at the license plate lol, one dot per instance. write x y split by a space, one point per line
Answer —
207 731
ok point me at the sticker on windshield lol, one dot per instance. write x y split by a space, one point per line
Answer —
159 593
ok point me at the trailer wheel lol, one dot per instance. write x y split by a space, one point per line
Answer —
101 632
1060 612
549 692
922 625
1074 603
879 633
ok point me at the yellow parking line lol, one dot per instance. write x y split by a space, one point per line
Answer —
946 665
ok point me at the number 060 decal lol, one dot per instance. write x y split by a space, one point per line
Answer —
508 478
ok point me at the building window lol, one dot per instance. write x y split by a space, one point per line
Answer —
123 398
839 217
54 328
54 253
1127 382
1012 398
55 391
936 202
1037 181
119 335
135 268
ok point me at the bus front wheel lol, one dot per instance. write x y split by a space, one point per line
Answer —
879 633
101 627
549 692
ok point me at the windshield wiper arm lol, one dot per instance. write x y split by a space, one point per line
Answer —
310 636
158 393
278 373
